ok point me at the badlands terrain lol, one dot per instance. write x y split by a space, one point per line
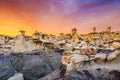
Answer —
72 56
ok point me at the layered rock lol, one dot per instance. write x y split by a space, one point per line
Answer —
83 67
80 62
21 45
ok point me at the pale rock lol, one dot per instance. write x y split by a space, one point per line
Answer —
69 46
2 41
84 47
117 52
31 46
111 56
61 42
70 67
65 60
100 56
79 58
20 45
76 47
116 45
77 52
83 43
76 41
11 42
17 76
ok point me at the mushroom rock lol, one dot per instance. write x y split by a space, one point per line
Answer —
74 33
20 45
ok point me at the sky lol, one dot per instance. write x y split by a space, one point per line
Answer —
56 16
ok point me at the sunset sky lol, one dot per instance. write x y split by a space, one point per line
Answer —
55 16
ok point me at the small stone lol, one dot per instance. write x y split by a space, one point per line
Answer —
17 76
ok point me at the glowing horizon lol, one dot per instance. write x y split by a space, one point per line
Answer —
58 16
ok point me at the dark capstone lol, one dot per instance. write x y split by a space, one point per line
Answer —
105 51
60 51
